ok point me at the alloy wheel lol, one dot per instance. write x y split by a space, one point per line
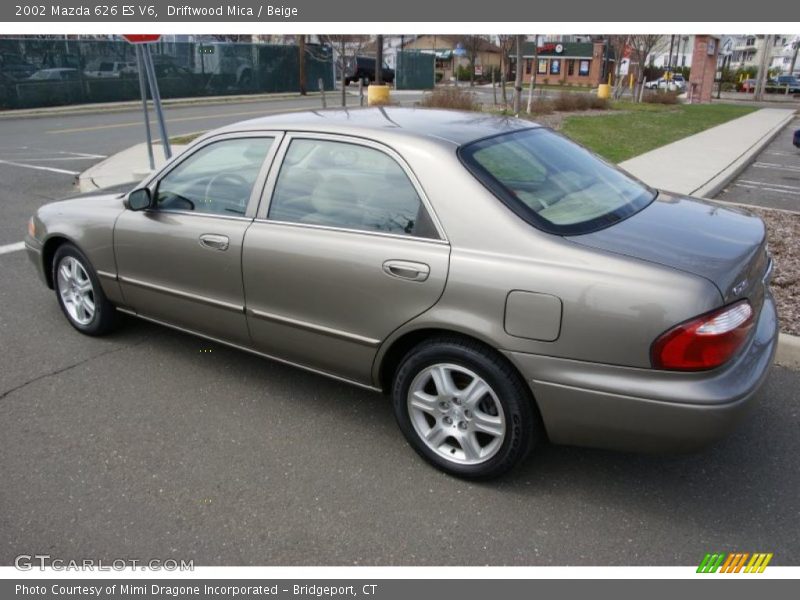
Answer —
456 414
76 290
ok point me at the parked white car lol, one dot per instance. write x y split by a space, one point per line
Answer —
677 83
111 69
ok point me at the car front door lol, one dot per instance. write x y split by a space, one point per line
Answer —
179 262
345 251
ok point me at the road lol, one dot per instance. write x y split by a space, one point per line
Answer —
773 179
154 444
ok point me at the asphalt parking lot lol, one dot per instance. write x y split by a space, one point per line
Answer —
154 444
773 179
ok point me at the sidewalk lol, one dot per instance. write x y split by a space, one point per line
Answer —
702 164
129 165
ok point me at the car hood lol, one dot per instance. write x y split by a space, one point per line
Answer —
726 246
99 206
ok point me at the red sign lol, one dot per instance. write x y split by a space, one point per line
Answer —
142 38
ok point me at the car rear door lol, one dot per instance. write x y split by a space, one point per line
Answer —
179 262
345 249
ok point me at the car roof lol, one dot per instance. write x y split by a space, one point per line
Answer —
455 127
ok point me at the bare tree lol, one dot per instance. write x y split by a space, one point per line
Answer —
506 43
619 45
472 46
346 50
795 45
518 75
643 46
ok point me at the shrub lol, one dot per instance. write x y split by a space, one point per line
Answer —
450 97
463 72
541 106
576 101
660 97
599 103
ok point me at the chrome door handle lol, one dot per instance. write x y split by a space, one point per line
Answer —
214 241
405 269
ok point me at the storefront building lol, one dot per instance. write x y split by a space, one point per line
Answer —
567 63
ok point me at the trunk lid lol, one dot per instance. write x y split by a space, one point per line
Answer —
725 245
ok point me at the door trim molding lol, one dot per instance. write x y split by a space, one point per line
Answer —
345 335
180 294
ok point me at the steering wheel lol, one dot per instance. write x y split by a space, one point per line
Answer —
231 178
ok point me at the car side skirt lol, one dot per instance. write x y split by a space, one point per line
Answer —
249 350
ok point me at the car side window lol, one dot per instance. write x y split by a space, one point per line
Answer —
217 179
351 186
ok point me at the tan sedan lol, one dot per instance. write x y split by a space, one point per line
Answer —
503 284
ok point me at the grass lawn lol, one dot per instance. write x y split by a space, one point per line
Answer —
185 139
642 127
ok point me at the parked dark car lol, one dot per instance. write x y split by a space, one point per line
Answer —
363 69
784 81
797 138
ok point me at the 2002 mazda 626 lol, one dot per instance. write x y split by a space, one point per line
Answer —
502 283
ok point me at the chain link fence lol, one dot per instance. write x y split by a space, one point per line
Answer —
36 73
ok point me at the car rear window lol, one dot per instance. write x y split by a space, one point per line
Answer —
553 183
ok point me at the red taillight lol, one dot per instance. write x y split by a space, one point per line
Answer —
704 342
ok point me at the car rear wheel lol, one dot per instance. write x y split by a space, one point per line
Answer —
79 293
464 409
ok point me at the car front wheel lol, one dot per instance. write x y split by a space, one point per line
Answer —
79 293
464 409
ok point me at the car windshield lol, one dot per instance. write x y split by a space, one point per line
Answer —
554 183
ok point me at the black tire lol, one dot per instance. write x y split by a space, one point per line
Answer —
523 427
105 316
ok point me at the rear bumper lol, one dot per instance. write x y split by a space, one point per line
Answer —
608 406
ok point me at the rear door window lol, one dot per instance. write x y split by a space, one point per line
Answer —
348 186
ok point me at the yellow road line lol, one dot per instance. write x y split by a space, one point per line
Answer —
197 118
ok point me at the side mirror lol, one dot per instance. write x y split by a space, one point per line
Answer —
139 199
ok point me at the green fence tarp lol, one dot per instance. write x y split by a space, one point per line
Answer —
48 72
415 70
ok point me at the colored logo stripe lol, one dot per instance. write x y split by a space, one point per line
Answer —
733 562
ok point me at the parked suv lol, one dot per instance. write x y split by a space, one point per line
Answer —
363 69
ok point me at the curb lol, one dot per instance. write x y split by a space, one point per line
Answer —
82 109
788 353
717 183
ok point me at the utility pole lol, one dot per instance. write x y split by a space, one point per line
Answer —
301 49
534 68
763 68
518 76
669 60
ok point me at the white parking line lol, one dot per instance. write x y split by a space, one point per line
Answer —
766 183
48 151
764 188
38 167
776 166
8 248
